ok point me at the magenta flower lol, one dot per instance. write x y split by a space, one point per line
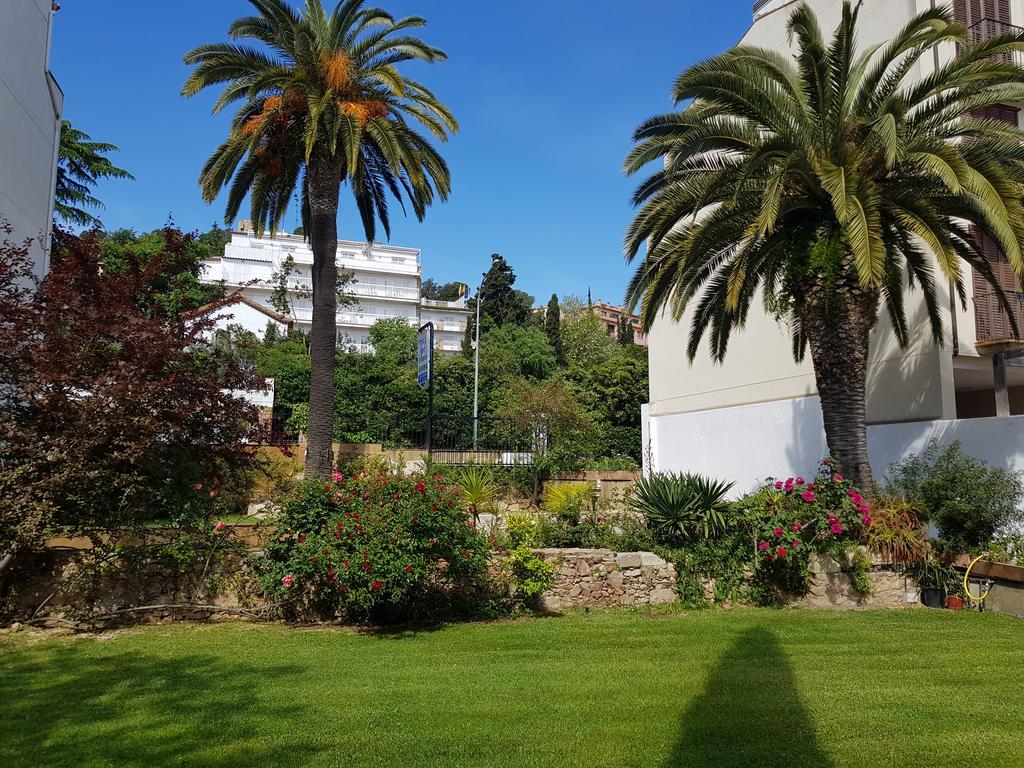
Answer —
220 526
762 546
837 528
832 519
778 533
799 481
796 527
337 477
866 520
808 496
782 551
778 485
795 543
288 580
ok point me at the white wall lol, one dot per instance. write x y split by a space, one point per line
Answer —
30 107
785 438
249 318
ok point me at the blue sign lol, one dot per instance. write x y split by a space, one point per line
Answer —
424 353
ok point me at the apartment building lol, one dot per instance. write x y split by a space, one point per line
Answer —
611 315
758 414
385 284
30 116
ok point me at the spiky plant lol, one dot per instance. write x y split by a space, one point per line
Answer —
81 163
826 182
323 104
478 488
681 507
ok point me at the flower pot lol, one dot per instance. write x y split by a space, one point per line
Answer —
954 602
933 597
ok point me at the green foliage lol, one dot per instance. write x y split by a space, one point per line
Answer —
523 529
431 289
394 341
81 163
896 532
530 576
553 327
517 351
967 500
614 463
298 419
679 507
478 489
366 546
502 303
569 501
931 573
585 340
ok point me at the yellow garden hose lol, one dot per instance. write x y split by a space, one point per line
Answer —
967 575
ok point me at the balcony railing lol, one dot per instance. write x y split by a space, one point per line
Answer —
359 288
459 304
986 29
991 321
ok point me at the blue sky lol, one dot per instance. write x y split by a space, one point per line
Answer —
547 93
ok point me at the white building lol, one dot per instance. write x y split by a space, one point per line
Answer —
385 284
758 415
30 115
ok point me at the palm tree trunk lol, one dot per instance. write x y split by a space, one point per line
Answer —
323 178
838 328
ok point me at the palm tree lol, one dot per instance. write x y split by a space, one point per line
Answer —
80 165
826 183
323 103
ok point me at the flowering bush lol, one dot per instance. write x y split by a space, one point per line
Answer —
797 515
367 545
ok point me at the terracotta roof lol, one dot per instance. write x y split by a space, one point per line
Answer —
236 298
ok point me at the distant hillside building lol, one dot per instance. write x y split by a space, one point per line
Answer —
30 115
611 315
386 284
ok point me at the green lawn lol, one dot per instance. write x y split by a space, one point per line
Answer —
714 688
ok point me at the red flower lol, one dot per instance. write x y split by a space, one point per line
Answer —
376 585
837 528
778 533
313 559
367 566
421 487
782 551
763 546
866 520
302 538
288 580
220 525
795 543
408 569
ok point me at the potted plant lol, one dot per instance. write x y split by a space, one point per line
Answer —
935 579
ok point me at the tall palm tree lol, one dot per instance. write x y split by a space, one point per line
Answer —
81 163
826 183
322 103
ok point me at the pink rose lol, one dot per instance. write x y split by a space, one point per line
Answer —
288 580
837 528
808 496
795 543
213 493
763 546
337 477
778 533
866 520
839 478
778 485
799 481
796 528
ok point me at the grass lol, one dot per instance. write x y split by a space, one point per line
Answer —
615 689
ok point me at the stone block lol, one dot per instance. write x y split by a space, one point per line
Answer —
629 559
615 580
662 597
649 559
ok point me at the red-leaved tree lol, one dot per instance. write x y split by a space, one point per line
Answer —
111 412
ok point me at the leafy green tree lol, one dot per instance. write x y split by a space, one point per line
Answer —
611 393
431 289
585 340
624 331
394 340
280 295
81 163
825 181
553 327
324 104
513 350
288 364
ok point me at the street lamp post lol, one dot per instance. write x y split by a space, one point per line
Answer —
476 366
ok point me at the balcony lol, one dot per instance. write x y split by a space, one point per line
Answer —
991 321
986 28
459 304
359 319
358 288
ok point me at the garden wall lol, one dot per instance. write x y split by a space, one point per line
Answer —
785 438
600 578
610 484
830 588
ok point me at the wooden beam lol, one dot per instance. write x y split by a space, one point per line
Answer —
999 381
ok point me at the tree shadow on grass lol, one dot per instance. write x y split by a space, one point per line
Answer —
749 714
80 705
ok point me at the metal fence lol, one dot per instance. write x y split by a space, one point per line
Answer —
493 441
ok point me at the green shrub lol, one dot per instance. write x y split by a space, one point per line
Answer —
617 463
530 576
522 529
478 488
967 500
682 508
569 501
366 546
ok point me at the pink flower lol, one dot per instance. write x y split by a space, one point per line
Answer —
337 477
866 520
763 546
778 485
288 580
197 487
796 528
794 544
778 533
832 519
213 493
837 528
408 569
781 551
220 526
799 481
808 496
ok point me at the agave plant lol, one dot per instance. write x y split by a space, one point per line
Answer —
478 489
682 507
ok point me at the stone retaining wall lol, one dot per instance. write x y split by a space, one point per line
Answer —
600 578
831 588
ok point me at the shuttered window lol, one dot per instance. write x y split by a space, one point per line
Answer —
971 12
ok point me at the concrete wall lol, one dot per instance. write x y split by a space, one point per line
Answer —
785 438
30 111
